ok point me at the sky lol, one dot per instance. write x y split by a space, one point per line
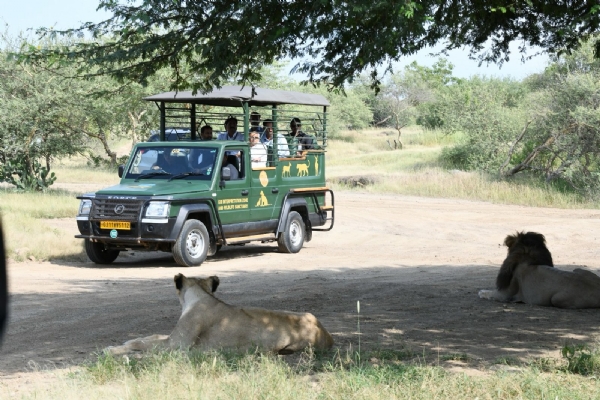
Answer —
64 14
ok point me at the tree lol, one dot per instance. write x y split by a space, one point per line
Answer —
404 94
547 126
30 137
48 116
490 113
205 42
563 142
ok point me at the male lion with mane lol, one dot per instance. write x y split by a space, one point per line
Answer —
208 323
528 275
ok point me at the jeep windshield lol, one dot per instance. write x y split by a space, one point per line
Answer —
169 163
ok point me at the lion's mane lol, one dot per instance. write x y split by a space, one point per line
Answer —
528 248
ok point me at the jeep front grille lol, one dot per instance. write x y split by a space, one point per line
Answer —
114 209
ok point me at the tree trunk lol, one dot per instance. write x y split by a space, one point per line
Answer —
111 154
135 123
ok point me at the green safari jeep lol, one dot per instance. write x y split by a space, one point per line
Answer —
183 197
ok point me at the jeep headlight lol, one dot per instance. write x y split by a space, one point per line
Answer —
85 207
158 209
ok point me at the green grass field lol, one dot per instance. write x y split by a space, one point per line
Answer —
375 375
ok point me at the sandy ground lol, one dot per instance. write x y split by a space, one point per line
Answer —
415 264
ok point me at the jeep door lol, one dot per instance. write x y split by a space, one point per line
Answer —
264 197
233 195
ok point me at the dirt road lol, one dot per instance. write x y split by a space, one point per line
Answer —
415 264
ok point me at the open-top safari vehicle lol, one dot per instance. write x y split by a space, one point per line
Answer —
178 196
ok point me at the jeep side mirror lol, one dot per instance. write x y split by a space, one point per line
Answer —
225 174
121 170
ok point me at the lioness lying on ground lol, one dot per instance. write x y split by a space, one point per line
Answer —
208 323
528 275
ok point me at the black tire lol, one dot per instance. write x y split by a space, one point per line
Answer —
213 249
291 239
192 244
99 254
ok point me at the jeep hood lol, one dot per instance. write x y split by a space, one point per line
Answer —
155 188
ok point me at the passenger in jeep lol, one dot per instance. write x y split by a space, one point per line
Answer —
171 164
267 139
234 174
255 122
258 151
206 133
299 141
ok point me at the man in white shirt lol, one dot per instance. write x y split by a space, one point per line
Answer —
258 151
267 139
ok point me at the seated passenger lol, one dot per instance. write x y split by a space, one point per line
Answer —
300 141
202 160
234 174
206 133
267 139
231 133
258 151
170 163
255 122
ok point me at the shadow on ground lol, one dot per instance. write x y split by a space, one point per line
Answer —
432 310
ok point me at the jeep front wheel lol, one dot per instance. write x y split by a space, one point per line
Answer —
291 239
191 247
99 254
213 249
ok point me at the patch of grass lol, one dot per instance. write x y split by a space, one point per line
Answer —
417 170
431 138
77 170
455 357
512 361
581 359
308 376
546 364
31 225
50 204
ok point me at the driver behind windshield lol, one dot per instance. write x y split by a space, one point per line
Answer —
171 163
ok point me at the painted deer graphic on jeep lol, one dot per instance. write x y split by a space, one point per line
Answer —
286 171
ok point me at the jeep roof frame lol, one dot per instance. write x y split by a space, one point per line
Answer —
236 96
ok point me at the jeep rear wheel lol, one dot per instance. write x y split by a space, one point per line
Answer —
291 239
191 247
99 254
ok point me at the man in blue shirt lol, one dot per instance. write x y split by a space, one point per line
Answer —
231 132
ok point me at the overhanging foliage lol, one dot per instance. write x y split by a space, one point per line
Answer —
205 42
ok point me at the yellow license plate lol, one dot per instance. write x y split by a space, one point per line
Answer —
125 225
